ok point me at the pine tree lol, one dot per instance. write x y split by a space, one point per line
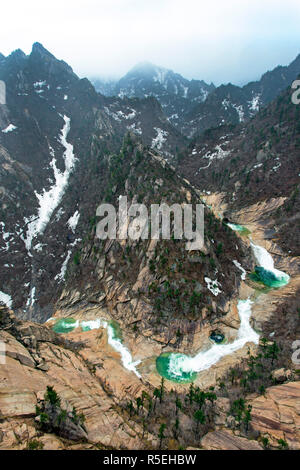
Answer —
161 435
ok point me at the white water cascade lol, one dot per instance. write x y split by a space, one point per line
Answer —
112 339
205 359
181 365
265 260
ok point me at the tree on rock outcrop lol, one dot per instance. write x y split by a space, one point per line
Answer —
51 417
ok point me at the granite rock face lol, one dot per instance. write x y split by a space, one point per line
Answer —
22 385
226 440
277 414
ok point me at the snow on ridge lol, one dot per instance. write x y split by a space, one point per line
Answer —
160 138
240 111
213 286
9 128
131 115
31 299
160 76
219 154
239 266
254 103
61 275
49 200
119 115
226 104
185 91
73 221
39 84
6 299
134 129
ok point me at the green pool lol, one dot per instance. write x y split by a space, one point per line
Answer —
65 325
163 368
117 332
272 279
239 228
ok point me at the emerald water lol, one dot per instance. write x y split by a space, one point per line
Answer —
182 368
114 335
164 369
65 325
269 278
265 272
239 228
179 367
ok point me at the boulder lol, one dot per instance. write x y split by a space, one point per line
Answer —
281 375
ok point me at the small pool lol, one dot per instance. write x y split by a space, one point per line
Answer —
239 228
217 337
165 369
272 279
65 325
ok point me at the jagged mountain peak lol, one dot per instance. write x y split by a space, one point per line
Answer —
16 55
48 62
38 48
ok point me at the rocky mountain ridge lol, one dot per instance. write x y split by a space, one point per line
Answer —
194 106
117 307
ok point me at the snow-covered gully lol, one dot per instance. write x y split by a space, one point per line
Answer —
48 201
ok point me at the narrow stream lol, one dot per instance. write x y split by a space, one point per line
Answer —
179 367
182 368
66 325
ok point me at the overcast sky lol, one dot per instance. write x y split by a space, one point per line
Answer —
214 40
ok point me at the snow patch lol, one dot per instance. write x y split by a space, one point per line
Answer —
31 299
213 286
254 104
73 221
49 200
240 112
135 130
160 138
238 265
219 154
9 128
61 275
6 299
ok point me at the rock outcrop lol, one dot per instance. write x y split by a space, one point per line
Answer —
227 440
276 415
22 384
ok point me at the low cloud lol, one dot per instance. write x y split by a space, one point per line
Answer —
216 41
